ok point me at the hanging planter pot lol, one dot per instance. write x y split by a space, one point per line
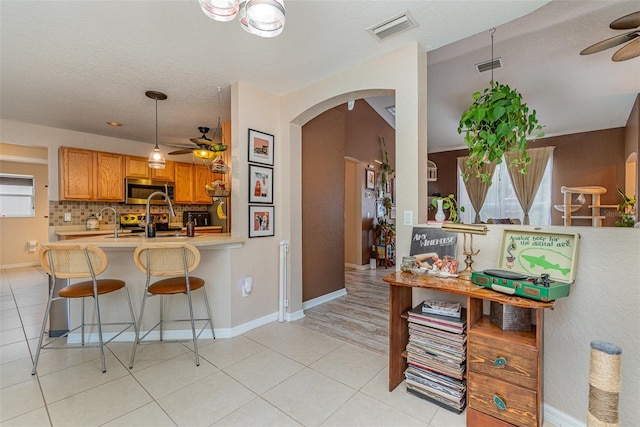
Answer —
498 121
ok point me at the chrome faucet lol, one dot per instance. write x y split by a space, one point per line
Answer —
115 219
148 217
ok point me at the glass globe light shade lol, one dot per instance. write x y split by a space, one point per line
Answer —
265 18
220 10
156 159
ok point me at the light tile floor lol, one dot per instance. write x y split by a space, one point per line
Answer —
279 374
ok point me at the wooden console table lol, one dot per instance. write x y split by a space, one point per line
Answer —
517 380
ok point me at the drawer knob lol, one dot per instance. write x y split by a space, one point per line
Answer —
499 403
500 362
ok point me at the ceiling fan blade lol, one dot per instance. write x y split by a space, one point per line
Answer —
627 22
200 141
185 151
609 43
628 51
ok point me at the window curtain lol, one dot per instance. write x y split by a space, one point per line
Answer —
475 187
526 184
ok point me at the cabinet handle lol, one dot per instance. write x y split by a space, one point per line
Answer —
500 362
500 404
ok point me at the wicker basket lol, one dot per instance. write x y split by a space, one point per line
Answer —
217 192
219 168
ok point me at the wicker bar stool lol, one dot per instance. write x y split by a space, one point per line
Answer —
79 261
176 260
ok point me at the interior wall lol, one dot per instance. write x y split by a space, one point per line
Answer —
323 190
632 138
18 232
581 159
352 212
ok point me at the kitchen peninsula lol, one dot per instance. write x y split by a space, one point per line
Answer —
215 268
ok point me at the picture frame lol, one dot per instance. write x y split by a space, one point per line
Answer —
261 221
370 175
260 147
260 184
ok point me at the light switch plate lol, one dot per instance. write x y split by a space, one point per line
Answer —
408 217
67 216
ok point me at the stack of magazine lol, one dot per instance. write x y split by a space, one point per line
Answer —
436 355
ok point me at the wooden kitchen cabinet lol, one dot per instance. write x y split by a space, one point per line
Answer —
202 176
504 368
138 167
109 176
166 174
184 183
90 175
75 169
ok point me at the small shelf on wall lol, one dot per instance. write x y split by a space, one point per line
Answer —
432 171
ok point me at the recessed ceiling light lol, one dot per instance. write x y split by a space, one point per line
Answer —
114 124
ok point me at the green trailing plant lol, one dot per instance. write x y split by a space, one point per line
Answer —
497 122
386 169
450 203
627 210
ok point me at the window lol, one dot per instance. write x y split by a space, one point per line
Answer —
17 195
501 201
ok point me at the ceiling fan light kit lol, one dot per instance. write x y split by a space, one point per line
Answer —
630 50
264 18
156 158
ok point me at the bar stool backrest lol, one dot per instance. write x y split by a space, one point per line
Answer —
73 261
166 259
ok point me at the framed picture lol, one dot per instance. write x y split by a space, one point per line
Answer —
260 147
260 184
371 179
261 221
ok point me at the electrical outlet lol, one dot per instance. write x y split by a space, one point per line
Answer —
67 216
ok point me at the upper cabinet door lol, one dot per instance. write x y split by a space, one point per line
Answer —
109 176
166 174
184 183
201 177
75 167
136 167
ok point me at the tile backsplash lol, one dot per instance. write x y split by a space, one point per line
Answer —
80 211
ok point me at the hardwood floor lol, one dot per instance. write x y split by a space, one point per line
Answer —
361 317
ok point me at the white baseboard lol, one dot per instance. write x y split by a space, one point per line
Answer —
560 419
291 317
324 298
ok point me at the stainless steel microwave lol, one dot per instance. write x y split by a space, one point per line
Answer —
138 190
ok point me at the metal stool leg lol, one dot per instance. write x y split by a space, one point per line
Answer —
44 325
193 328
137 339
206 303
104 366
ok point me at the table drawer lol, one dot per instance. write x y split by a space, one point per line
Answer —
500 359
507 402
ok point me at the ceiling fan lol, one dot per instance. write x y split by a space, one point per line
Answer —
631 50
206 148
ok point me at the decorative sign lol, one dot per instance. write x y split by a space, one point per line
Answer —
434 248
535 252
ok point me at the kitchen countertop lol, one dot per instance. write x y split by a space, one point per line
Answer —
79 230
127 240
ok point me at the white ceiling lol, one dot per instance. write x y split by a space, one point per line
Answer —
77 64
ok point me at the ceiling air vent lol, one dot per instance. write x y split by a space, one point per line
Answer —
393 26
488 65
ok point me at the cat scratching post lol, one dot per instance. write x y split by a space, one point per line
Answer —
604 384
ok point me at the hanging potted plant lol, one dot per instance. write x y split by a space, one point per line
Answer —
498 121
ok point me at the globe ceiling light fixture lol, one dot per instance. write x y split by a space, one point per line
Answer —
156 158
264 18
